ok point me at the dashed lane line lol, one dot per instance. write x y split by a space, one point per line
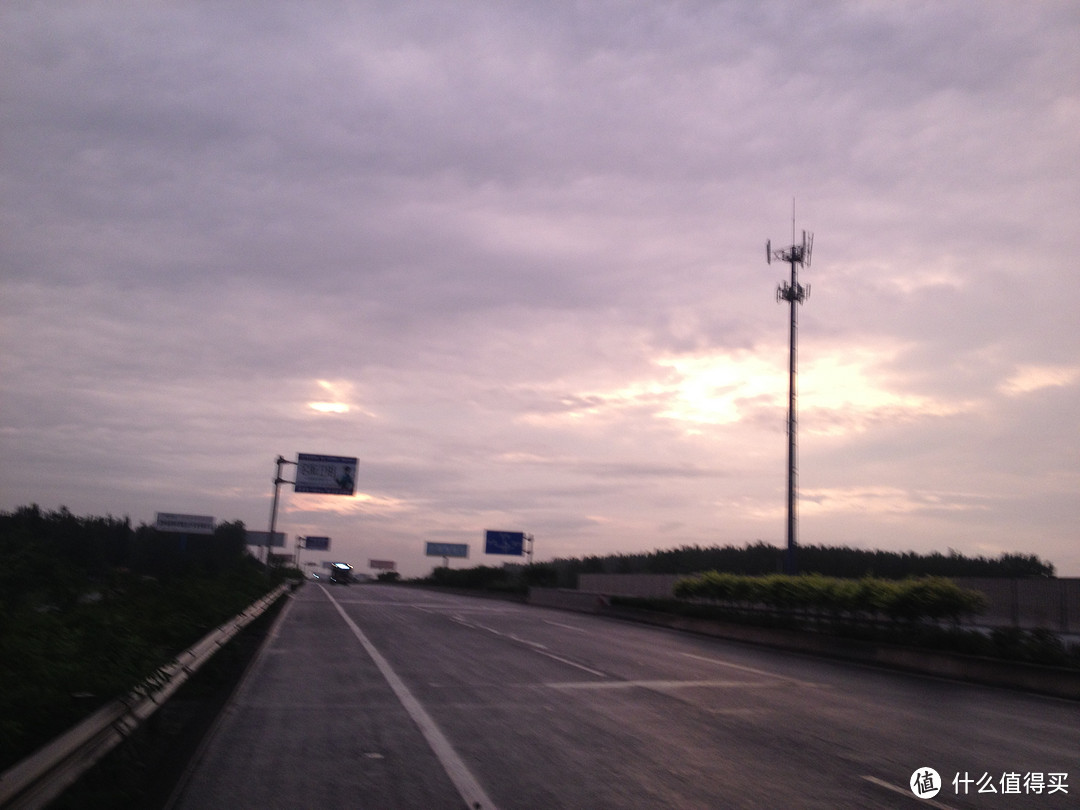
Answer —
565 626
536 647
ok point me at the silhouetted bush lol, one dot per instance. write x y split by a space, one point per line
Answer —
82 621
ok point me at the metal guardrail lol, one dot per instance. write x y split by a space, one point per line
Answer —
45 774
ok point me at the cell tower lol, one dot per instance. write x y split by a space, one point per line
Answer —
797 255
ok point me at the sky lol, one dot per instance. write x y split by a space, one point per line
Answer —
512 257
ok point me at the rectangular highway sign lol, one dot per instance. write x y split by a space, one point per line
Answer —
185 524
326 475
447 550
496 542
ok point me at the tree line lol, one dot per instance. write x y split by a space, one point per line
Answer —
91 606
50 551
759 559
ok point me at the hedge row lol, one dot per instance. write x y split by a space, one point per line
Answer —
911 600
61 660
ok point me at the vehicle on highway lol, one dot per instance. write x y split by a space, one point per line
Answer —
340 573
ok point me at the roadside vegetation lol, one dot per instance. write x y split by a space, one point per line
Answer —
923 613
761 559
900 598
833 600
757 559
90 608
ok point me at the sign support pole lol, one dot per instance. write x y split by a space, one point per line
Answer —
278 481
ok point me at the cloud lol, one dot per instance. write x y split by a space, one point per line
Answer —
1027 379
511 257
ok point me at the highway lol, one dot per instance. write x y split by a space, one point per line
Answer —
393 697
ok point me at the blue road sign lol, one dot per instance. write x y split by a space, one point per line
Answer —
504 543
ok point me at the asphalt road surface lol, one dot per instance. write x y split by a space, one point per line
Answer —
373 696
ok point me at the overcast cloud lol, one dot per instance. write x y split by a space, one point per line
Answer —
511 255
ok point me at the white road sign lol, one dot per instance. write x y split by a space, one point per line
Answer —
185 524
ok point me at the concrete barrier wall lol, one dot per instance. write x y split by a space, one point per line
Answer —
648 586
566 599
1029 603
1053 604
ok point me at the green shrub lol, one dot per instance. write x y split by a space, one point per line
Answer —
916 600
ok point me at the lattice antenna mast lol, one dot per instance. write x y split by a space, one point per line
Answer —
796 255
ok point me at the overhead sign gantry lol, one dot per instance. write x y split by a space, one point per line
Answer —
317 474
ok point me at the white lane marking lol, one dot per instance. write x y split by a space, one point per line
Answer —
435 607
532 645
565 626
764 672
536 645
466 784
427 607
568 662
463 621
658 685
926 802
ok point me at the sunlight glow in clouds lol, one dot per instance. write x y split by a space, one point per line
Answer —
1032 378
710 388
360 503
729 387
339 392
694 389
852 384
329 407
848 386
